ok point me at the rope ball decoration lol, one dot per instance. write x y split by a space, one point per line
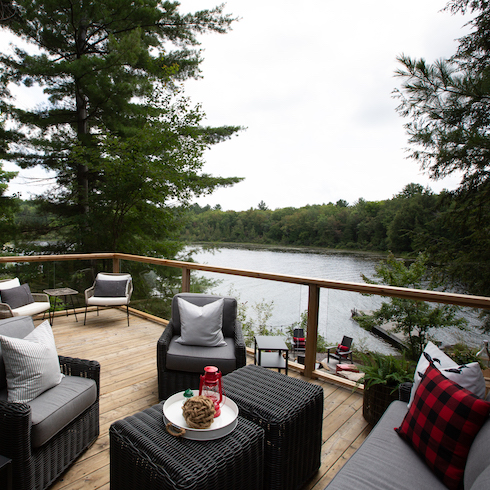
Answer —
198 412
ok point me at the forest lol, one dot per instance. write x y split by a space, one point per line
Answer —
403 224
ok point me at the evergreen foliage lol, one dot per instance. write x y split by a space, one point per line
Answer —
447 104
124 142
400 224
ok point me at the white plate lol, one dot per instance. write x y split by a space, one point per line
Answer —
221 426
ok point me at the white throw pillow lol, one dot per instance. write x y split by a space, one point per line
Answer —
31 364
468 376
201 325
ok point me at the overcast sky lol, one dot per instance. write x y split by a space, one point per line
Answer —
312 82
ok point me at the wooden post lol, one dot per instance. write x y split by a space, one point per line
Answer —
116 265
312 329
186 280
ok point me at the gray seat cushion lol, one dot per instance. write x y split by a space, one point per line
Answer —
478 461
482 482
17 327
385 461
57 407
194 358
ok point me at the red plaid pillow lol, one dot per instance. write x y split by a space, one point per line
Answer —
441 424
342 348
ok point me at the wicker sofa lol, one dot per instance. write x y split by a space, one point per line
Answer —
385 461
46 435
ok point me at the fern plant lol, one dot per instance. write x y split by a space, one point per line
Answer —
381 369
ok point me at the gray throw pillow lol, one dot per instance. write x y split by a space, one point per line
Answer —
201 325
110 288
31 364
18 296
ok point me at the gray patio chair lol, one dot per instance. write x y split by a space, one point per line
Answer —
179 365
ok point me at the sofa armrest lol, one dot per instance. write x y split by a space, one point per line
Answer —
404 391
240 347
15 428
71 366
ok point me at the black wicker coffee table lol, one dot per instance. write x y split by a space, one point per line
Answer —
143 455
291 412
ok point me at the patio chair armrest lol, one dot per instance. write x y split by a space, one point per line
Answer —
240 347
5 311
72 366
40 297
15 427
89 292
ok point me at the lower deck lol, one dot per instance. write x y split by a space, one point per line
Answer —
127 356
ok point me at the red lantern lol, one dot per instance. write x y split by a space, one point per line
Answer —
212 387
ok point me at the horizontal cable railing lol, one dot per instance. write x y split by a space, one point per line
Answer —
314 286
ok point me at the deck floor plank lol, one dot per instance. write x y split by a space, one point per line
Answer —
127 356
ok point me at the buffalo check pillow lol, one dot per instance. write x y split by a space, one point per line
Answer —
468 376
441 424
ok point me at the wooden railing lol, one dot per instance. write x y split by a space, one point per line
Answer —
314 286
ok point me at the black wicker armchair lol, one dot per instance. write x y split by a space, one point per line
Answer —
37 463
180 366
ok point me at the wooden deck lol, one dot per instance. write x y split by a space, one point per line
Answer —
129 385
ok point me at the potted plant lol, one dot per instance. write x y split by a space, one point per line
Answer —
383 374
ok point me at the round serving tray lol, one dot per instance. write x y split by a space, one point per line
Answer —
221 426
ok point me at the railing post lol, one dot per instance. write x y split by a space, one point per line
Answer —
312 329
116 264
186 280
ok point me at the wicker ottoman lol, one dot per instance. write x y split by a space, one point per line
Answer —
291 412
143 455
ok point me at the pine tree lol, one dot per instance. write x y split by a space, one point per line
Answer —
123 140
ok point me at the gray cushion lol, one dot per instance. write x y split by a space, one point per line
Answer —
478 457
110 288
229 310
482 482
16 297
201 325
194 358
16 327
385 461
31 363
57 407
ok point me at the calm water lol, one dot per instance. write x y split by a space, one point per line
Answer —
290 300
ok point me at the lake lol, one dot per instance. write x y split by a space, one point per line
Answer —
290 300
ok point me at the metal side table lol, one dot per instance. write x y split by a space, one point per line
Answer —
58 293
271 352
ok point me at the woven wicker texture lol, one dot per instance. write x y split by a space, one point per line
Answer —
145 456
39 468
376 400
291 412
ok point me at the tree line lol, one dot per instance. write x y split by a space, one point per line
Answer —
398 224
